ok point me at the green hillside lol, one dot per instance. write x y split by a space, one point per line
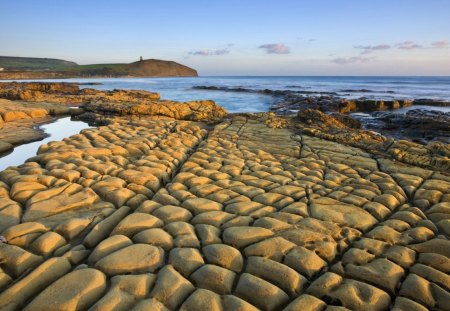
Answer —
10 63
43 68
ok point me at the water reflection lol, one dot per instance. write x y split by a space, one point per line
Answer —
58 130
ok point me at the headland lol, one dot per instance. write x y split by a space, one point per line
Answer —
22 68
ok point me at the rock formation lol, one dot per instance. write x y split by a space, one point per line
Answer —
434 155
33 103
165 214
259 211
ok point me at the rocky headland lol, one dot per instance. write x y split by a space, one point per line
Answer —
173 206
20 68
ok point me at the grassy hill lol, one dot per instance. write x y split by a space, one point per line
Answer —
22 67
10 63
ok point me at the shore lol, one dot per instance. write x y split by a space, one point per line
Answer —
419 123
182 206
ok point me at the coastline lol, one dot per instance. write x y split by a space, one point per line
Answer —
27 75
187 199
35 98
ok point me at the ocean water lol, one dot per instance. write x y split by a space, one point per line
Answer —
180 89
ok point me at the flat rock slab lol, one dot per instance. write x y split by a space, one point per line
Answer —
77 290
59 204
157 214
137 258
344 214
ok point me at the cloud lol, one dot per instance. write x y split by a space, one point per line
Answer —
443 44
351 60
208 52
275 48
367 49
408 45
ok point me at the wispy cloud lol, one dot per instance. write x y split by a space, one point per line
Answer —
408 45
351 60
275 48
306 39
208 52
367 49
443 44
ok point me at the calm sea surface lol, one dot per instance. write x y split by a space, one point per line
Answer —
349 87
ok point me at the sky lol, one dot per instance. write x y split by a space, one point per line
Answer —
237 37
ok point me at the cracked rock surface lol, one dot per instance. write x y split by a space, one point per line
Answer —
156 214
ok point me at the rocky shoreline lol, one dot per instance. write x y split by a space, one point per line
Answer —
417 125
173 206
20 121
25 105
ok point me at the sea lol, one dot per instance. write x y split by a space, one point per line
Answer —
181 88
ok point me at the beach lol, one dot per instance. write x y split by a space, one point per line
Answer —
166 205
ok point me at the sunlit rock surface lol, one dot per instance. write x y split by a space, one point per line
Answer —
159 214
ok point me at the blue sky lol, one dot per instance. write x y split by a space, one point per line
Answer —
245 37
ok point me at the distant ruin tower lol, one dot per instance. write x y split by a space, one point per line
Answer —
141 59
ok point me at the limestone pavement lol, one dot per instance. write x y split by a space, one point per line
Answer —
159 214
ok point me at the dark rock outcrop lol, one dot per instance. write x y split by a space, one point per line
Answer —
417 124
369 105
435 155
